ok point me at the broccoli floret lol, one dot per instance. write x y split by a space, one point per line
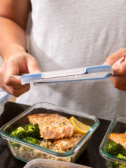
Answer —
121 156
31 140
124 152
121 166
15 145
112 164
18 133
32 130
114 149
115 165
117 150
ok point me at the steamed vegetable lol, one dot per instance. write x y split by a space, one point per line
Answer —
32 130
27 132
118 151
121 156
18 133
31 140
114 149
112 164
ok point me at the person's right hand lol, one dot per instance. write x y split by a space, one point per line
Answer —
18 63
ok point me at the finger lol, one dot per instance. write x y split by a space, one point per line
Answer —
33 66
122 87
3 88
115 56
18 92
13 82
120 69
118 80
10 68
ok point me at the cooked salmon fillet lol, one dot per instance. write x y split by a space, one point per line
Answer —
66 143
118 138
52 126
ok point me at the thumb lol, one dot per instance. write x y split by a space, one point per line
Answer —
32 66
115 57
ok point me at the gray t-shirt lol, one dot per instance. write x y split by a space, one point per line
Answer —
69 34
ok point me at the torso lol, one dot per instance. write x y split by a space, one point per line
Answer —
71 34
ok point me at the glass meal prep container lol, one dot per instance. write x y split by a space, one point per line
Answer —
26 151
44 163
4 97
117 125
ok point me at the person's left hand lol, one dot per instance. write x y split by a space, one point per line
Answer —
118 79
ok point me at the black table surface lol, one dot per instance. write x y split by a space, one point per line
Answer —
90 156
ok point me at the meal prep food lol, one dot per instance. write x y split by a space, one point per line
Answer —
116 146
50 132
57 132
52 126
112 147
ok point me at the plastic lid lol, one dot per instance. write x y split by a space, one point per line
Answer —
98 72
85 73
47 163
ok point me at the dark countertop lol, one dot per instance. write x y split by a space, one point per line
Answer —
90 156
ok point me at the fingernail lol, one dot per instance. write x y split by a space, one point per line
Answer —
37 71
105 63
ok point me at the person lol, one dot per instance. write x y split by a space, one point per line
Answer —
64 35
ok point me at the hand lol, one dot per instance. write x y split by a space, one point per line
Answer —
18 63
119 77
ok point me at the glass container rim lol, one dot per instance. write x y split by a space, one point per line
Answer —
45 161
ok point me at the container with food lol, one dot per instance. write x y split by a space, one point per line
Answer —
4 97
113 146
44 163
50 132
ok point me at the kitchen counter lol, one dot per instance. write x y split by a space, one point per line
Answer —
90 156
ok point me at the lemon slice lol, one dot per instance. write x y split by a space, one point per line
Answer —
79 126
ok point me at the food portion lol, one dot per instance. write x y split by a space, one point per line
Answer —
18 133
31 140
66 143
79 126
50 131
119 138
52 126
28 130
32 130
116 147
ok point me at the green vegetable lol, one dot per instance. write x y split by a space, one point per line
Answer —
32 130
124 152
118 151
112 164
121 156
18 133
15 145
114 149
115 165
31 140
121 166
